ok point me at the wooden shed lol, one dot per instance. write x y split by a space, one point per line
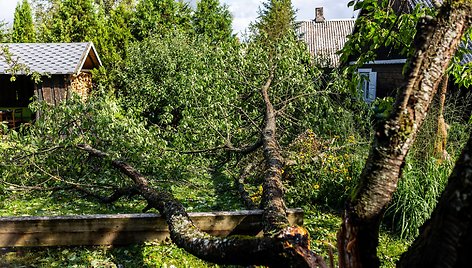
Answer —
63 67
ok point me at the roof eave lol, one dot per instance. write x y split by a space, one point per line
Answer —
83 58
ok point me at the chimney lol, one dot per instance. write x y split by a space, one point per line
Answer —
319 14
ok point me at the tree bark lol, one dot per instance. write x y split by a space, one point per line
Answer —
445 240
288 248
274 216
358 237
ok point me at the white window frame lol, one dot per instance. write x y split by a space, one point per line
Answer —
368 84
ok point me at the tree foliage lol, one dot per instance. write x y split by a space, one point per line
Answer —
73 21
212 20
154 17
194 109
23 28
381 28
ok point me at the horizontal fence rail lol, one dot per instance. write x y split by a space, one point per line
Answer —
123 229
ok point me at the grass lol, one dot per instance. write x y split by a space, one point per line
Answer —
143 255
47 204
321 223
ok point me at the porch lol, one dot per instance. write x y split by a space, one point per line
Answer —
14 99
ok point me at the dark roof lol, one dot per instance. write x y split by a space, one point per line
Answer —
467 58
52 58
325 39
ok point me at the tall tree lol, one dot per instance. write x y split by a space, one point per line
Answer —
277 20
72 21
212 20
23 28
160 17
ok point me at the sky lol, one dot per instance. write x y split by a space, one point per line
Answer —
243 11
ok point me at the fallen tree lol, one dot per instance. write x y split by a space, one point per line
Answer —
358 237
289 246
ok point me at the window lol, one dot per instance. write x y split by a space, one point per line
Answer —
368 84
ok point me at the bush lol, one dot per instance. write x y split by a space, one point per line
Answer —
324 171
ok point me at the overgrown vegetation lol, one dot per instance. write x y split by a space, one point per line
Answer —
177 104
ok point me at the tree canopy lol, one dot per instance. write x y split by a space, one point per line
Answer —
189 105
23 27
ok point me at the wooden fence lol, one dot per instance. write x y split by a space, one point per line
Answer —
122 229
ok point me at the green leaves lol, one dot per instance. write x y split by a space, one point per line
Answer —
213 21
23 29
380 27
158 17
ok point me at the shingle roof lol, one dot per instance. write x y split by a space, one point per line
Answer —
51 58
325 39
467 58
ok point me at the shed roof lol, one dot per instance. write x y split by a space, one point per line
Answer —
325 39
52 58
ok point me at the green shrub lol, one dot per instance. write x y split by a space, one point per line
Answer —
417 194
324 171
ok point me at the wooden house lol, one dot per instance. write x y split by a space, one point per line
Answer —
384 75
63 68
324 38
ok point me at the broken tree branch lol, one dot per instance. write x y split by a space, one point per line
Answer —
289 248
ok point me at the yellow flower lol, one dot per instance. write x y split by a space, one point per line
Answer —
351 139
316 186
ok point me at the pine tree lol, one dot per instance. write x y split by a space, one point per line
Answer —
160 17
213 20
276 20
73 21
23 28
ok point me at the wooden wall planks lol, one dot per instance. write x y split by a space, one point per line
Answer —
122 229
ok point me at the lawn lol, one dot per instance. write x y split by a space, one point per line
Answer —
321 223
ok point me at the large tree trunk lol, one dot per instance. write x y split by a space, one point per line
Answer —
289 248
445 240
358 237
275 217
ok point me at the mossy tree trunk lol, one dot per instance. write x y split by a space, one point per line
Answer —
358 237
